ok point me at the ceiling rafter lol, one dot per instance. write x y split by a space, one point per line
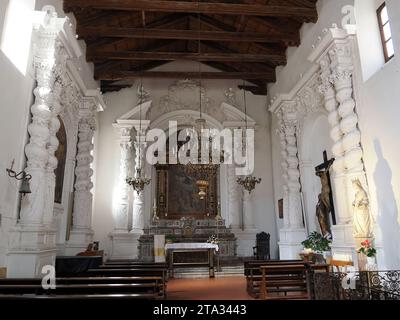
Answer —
308 14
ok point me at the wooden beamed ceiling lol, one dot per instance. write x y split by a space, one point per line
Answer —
242 39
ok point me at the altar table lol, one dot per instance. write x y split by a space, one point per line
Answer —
191 255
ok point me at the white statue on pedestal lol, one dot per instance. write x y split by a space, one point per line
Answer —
361 216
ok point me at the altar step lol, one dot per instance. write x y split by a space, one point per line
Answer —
202 273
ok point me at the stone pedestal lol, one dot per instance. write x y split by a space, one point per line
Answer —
290 243
343 247
245 241
30 249
124 246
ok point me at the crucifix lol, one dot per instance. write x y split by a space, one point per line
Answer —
325 198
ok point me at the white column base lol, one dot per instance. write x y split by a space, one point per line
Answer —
124 246
245 241
343 245
30 249
78 241
290 243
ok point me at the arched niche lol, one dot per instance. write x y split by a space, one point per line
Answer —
315 139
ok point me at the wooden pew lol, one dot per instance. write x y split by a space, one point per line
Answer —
285 279
130 272
149 287
288 282
76 297
253 273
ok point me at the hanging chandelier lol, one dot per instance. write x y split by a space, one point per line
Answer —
248 182
202 169
139 182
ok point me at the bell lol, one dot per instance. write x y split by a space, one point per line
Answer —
25 187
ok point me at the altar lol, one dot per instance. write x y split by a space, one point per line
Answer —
188 232
191 255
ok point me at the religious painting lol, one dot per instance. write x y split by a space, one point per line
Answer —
61 155
177 194
280 208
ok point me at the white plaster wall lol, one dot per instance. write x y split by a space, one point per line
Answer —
108 153
16 98
378 109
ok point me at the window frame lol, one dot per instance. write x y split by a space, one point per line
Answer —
381 26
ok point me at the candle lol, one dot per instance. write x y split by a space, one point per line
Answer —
155 204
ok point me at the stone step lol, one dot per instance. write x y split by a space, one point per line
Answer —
201 273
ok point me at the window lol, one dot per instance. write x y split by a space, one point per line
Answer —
386 33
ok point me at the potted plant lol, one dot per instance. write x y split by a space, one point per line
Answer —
315 244
169 238
369 251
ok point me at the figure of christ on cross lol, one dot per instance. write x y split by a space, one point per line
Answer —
325 198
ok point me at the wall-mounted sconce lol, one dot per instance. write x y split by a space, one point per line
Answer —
22 176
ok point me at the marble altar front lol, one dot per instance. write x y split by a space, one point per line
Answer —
188 231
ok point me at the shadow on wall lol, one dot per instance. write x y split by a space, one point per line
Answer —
388 212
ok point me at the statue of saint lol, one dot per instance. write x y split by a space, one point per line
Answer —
361 217
324 207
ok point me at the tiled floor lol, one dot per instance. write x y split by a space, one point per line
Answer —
229 288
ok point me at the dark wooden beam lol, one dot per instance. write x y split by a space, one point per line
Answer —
171 56
130 75
164 22
220 26
139 33
306 13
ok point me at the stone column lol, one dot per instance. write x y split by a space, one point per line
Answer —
234 198
341 56
82 233
339 168
32 242
293 232
285 166
248 210
122 210
138 202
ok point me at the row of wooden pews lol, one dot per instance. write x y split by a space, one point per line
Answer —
124 280
280 279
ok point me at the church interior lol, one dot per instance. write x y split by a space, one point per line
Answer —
199 149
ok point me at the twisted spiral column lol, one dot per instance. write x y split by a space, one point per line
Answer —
138 202
122 210
334 118
83 202
290 115
285 167
50 63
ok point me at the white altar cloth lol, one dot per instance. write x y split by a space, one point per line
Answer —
178 246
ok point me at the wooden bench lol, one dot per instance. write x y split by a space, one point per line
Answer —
279 281
77 297
147 286
288 281
130 272
253 273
